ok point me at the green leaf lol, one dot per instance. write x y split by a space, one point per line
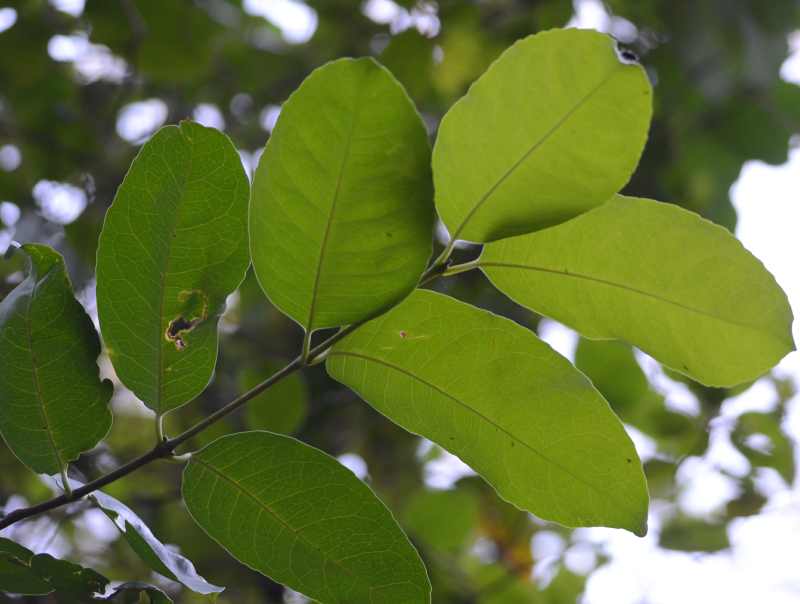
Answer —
614 371
68 579
502 400
775 449
156 555
16 575
341 216
173 246
23 572
281 408
691 535
54 404
553 128
443 519
296 515
673 284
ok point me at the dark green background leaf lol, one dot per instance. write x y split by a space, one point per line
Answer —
54 405
295 514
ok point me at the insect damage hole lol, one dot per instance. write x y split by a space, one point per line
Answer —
195 311
626 56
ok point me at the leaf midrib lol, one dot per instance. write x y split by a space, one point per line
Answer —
167 260
334 203
545 137
264 506
624 287
480 415
34 371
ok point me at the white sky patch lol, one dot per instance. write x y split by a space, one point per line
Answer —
592 14
9 213
209 115
71 7
137 121
790 70
445 471
250 160
423 17
296 20
269 117
8 16
59 201
92 62
356 464
10 158
561 338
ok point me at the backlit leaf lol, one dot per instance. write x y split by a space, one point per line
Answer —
673 284
491 392
553 128
341 215
173 246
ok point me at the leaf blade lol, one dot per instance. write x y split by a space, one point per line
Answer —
353 552
679 287
341 213
452 370
173 246
48 369
554 103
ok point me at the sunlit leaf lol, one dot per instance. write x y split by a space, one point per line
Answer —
173 246
341 215
299 517
502 400
54 405
673 284
553 128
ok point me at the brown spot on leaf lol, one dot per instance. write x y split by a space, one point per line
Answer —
195 311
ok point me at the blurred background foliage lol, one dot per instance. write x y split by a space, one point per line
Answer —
82 85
